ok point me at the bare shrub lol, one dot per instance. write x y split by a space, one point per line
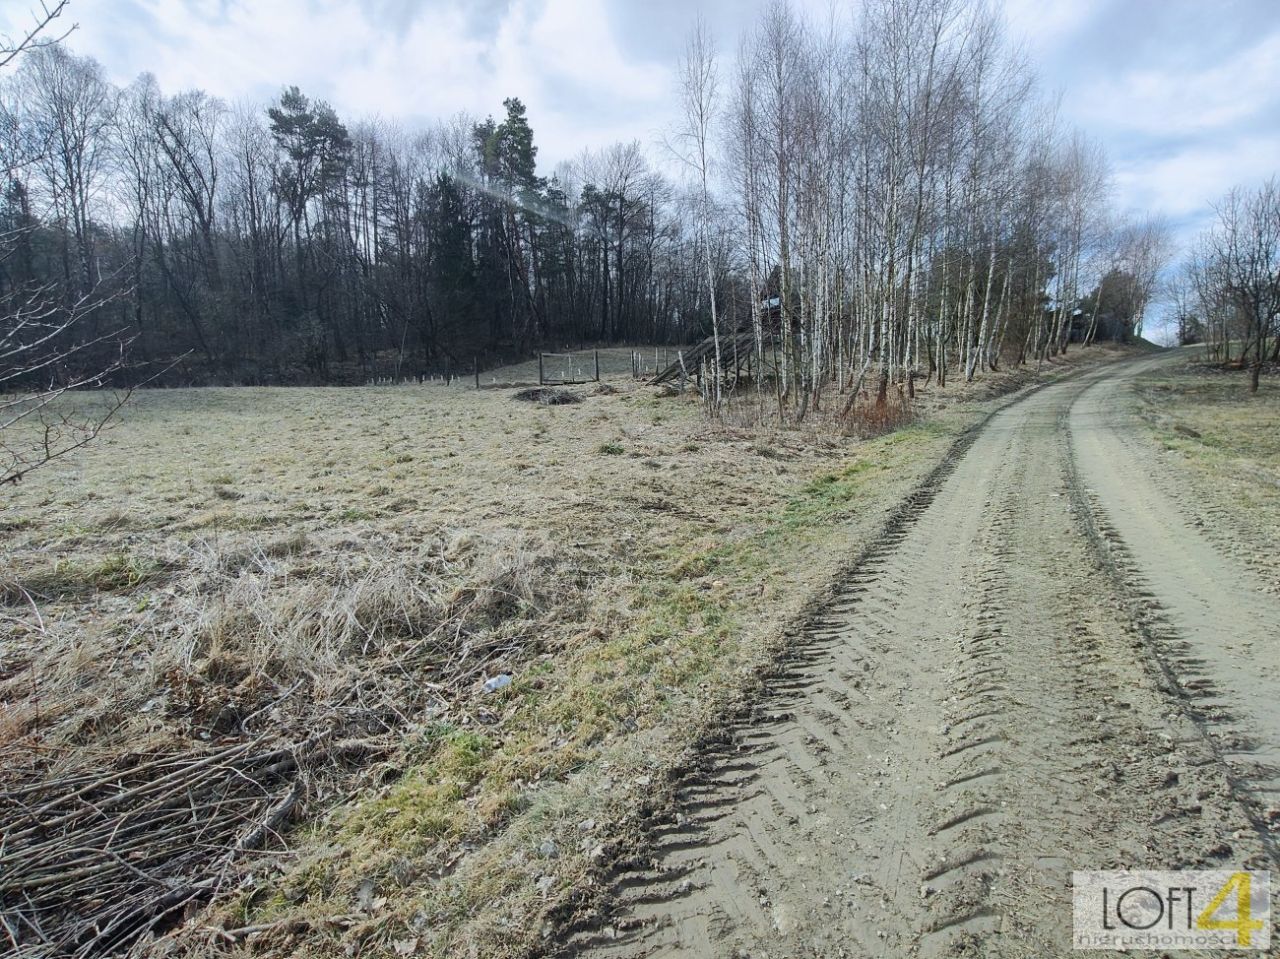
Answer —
868 420
862 415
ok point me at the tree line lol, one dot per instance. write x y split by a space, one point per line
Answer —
885 196
282 244
910 202
1227 294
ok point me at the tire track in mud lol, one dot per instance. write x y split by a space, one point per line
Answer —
678 897
956 730
973 759
1180 673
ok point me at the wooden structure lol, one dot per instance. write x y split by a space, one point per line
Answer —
737 356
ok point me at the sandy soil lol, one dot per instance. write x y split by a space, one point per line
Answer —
1042 668
1212 616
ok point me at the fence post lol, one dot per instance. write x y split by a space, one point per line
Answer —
475 362
597 366
541 378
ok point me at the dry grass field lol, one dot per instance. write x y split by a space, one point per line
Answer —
256 646
1226 445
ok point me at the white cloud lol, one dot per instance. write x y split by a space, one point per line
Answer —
1183 120
559 56
1045 25
1185 183
1171 99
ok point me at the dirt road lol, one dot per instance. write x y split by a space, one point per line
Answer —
1045 666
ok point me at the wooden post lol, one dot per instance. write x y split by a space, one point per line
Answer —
541 378
475 362
597 366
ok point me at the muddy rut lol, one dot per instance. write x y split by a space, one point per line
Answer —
1041 668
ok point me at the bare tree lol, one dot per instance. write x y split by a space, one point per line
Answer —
49 341
698 96
1145 250
1241 269
1190 326
36 35
41 361
905 200
68 101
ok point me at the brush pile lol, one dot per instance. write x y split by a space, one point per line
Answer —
92 862
256 688
547 396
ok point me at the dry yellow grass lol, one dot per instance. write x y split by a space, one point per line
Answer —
365 559
1223 445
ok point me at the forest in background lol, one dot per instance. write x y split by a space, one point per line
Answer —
883 195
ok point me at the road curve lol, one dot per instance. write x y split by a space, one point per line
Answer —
1012 686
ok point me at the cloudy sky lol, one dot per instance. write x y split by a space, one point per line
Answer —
1185 94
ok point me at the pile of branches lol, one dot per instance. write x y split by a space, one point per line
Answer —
547 396
129 802
99 857
92 862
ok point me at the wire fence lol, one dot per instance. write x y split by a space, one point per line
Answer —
547 368
563 369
